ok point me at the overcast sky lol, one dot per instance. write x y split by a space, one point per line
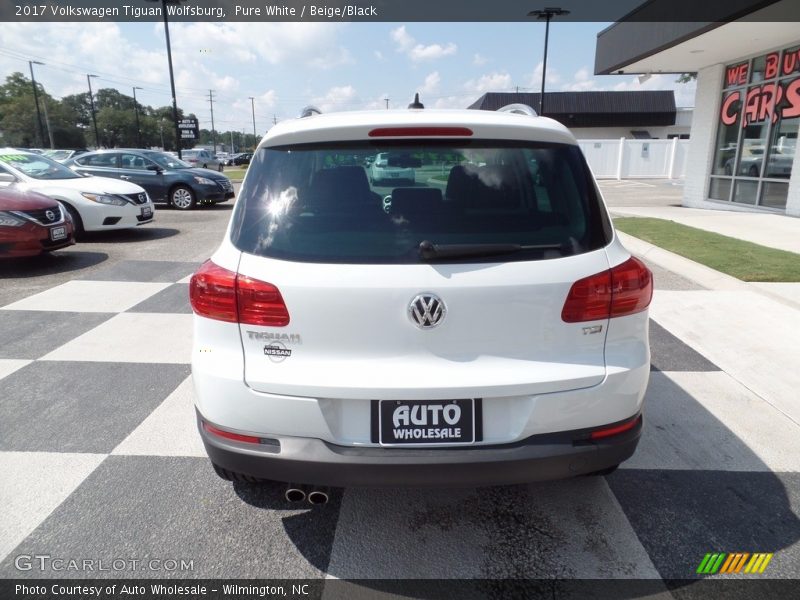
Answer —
339 66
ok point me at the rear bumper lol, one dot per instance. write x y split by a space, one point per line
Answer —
313 461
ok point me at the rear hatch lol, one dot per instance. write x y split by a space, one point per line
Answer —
451 287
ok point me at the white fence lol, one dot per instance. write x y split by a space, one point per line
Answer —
630 159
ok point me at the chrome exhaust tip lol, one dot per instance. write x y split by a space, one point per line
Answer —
318 497
294 493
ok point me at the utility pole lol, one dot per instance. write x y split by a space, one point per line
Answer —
36 100
136 110
94 116
213 133
274 119
253 107
232 150
387 103
47 122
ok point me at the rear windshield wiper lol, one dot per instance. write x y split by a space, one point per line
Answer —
429 251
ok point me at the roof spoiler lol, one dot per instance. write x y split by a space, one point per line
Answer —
309 111
518 109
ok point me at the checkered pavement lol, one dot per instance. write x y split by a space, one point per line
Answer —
99 459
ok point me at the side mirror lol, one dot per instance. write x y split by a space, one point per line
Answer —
155 168
7 178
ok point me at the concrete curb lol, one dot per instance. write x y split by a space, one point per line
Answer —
694 271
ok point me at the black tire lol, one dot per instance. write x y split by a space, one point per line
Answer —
77 222
753 171
220 168
205 166
182 197
234 476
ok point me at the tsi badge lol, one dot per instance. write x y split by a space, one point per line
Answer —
277 352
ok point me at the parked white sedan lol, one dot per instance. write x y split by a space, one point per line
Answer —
95 203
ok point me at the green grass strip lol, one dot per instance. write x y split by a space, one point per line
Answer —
740 259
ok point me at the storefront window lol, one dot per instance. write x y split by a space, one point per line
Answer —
745 192
773 195
720 189
728 135
757 132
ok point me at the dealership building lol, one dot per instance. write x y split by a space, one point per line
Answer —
743 148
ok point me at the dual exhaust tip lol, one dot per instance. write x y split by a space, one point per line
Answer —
298 493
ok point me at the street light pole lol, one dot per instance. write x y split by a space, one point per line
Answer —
253 108
171 73
94 116
136 110
36 99
547 14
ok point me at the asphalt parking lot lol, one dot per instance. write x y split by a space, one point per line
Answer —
100 459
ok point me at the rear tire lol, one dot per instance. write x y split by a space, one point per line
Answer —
234 476
220 168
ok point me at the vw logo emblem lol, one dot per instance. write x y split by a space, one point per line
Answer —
51 216
427 310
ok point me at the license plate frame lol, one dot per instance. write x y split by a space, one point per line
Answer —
469 422
147 212
58 233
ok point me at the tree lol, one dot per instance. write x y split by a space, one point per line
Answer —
686 77
18 112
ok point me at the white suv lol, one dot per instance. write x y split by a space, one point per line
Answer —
481 326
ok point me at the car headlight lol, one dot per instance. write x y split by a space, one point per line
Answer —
105 199
204 180
8 220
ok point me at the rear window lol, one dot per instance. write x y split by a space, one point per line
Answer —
378 203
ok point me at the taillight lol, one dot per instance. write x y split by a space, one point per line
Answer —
212 292
260 303
632 288
624 290
220 294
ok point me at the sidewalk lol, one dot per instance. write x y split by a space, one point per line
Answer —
774 231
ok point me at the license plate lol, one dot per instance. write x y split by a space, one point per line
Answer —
147 212
58 233
407 422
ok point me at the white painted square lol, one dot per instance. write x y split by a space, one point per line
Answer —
133 337
709 421
32 485
9 365
749 336
170 430
89 296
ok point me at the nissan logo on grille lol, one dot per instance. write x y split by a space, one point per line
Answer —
51 216
427 311
142 198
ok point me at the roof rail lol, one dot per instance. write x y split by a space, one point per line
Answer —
309 111
518 109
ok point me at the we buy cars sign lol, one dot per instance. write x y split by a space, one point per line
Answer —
190 129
